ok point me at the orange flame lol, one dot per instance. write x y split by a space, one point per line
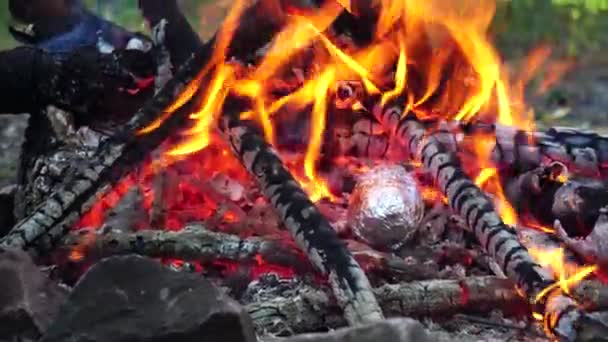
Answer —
316 136
567 275
488 178
476 82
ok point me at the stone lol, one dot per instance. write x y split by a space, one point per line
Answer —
393 330
136 299
29 301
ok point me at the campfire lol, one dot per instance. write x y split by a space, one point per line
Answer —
377 159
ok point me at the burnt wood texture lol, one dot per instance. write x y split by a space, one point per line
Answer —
436 148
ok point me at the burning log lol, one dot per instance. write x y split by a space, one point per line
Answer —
196 243
590 294
593 247
193 243
177 32
305 309
82 82
542 194
584 153
311 231
435 150
54 217
51 219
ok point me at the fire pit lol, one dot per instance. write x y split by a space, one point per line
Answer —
335 164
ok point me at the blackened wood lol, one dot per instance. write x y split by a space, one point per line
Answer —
310 309
196 243
32 79
311 231
51 219
537 195
585 153
192 243
180 38
435 148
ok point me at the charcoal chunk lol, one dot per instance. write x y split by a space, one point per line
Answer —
131 298
393 330
29 300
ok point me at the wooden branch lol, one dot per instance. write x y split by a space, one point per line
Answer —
180 38
584 153
80 82
193 243
54 217
436 152
51 219
311 231
544 198
306 309
196 243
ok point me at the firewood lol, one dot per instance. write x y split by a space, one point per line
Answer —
79 82
436 152
54 217
584 153
192 243
195 243
306 309
51 219
590 294
177 32
311 231
544 198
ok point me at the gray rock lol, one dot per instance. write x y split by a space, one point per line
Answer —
133 299
392 330
29 301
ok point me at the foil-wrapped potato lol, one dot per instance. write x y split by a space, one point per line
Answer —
385 207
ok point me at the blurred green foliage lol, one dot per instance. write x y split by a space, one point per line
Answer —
574 27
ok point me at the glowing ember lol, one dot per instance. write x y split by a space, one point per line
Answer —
404 28
434 56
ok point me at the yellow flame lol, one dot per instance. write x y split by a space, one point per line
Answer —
219 53
205 117
567 275
444 44
319 187
400 76
352 64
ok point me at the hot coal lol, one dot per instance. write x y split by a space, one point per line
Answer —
29 301
130 298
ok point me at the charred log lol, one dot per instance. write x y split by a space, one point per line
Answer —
193 243
306 309
545 197
81 83
167 112
311 231
197 244
436 152
584 153
54 216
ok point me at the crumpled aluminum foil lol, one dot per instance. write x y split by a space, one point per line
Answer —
385 207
